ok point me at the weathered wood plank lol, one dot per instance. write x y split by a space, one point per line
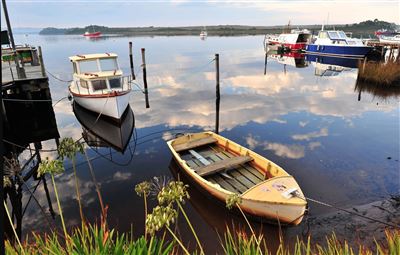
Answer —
222 165
194 143
192 164
225 185
248 167
246 170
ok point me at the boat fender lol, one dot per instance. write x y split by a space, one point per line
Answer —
317 47
69 97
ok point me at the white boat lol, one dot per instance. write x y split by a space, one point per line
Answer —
390 39
98 84
203 33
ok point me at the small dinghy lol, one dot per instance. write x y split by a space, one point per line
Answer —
98 84
223 167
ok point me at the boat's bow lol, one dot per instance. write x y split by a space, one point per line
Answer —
281 195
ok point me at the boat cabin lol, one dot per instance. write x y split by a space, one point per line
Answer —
336 37
97 74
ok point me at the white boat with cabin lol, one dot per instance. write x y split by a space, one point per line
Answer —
99 85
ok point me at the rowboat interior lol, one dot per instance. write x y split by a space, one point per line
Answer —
237 179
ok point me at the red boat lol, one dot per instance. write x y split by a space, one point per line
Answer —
296 40
94 34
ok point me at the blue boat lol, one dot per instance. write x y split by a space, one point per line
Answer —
336 43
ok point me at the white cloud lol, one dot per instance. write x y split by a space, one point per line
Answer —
309 136
293 151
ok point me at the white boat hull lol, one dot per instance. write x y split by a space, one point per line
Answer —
112 106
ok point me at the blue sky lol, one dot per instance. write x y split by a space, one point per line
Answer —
128 13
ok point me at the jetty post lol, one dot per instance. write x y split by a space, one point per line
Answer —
265 63
217 92
146 92
43 70
131 61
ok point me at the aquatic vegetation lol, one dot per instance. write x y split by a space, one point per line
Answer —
175 191
143 189
386 74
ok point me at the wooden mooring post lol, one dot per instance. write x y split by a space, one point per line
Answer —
42 69
265 63
217 91
131 61
146 92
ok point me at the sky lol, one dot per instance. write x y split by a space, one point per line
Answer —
131 13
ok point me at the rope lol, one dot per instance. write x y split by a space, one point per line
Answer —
295 193
55 77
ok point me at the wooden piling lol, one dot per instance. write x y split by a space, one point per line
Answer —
217 92
146 93
131 61
265 63
42 69
364 63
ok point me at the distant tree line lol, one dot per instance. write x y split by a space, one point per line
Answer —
363 28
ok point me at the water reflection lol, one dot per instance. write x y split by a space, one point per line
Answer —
300 121
381 92
28 119
331 66
100 131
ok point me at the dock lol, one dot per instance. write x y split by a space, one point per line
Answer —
31 63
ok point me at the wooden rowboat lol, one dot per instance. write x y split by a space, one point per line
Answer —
223 167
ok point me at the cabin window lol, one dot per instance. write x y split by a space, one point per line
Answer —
323 35
108 64
115 83
88 66
99 85
84 84
333 35
342 35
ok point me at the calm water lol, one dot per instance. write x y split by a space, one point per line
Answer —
341 150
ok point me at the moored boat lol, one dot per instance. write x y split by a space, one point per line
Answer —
336 43
98 84
390 39
94 34
295 40
203 33
222 168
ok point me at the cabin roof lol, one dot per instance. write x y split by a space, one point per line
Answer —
92 56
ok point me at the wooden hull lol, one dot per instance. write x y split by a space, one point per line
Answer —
264 199
112 105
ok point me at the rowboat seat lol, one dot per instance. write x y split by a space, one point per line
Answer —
225 164
194 143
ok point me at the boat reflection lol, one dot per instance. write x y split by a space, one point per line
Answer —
295 59
104 132
330 66
218 217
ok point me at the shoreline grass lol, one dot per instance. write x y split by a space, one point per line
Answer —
384 74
